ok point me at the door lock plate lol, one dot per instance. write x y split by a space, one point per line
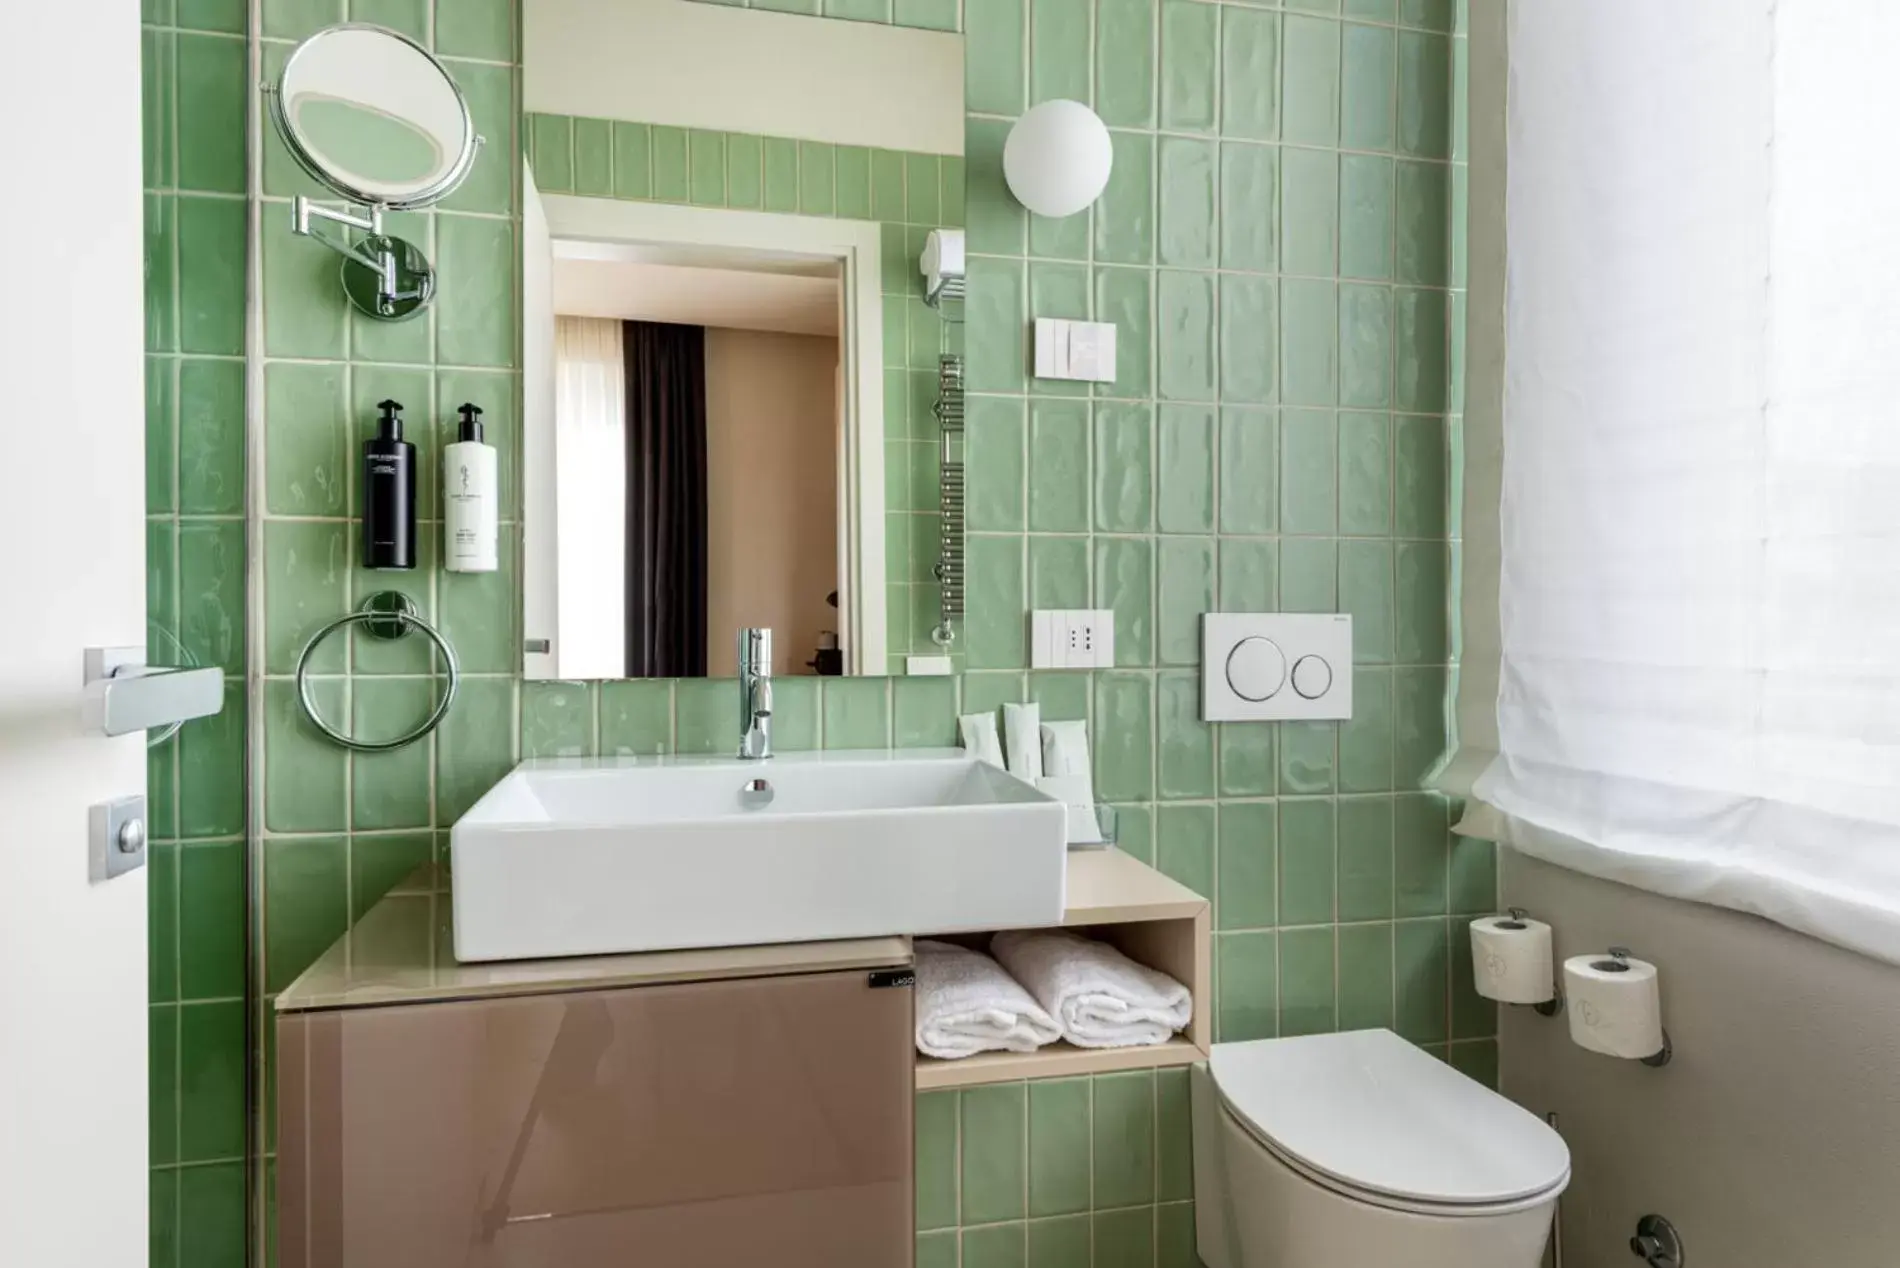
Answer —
117 837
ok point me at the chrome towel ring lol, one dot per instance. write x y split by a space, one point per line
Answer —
387 614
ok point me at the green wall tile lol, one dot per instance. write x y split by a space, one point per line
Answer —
1185 477
304 773
211 592
1125 296
1366 858
1309 211
994 621
483 29
1366 742
1185 846
853 177
994 1146
1418 485
1124 214
1424 235
706 167
1059 40
857 713
1124 1140
1189 62
1365 346
1059 1160
1058 468
1058 572
309 440
1245 748
306 902
1249 338
937 1249
211 771
1125 1238
1307 861
928 15
295 19
210 1081
211 275
1308 472
1369 78
1365 591
1424 95
859 10
162 1089
411 17
1419 351
636 718
1366 219
557 719
1124 711
672 179
474 746
1124 582
995 1246
1309 569
1247 986
1248 866
1310 92
210 1217
1249 467
994 61
210 15
379 863
594 157
1309 342
995 337
212 74
490 184
210 919
1059 1243
1185 753
1250 207
475 310
936 1159
1308 985
1125 63
1365 976
1421 979
633 160
1185 225
1186 332
1250 74
553 140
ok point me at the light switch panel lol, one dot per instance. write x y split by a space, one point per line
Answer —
1075 638
1080 350
1275 666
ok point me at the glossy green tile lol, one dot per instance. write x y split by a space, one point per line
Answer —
1418 484
309 440
1124 214
887 185
1308 986
924 712
222 15
1374 10
474 746
1058 466
1059 572
1307 861
1365 346
1309 342
1125 297
1365 976
1422 855
1424 95
1185 761
1249 339
594 157
1125 1238
379 863
411 17
161 433
997 482
211 771
1366 742
1124 713
1365 475
857 713
633 160
859 10
1186 336
1185 477
671 163
1063 696
212 77
1478 1059
1125 583
1366 223
305 775
1186 588
210 920
482 29
937 1249
1308 472
1135 832
1175 1236
936 1159
1311 91
210 1216
306 902
1124 1139
557 719
995 333
162 1085
1249 465
928 15
1474 876
1245 748
1124 466
1424 208
1365 591
1365 829
1421 979
1309 211
305 571
954 178
797 715
994 60
475 309
161 273
852 178
1174 1148
552 139
706 167
704 709
211 610
1058 1146
1185 226
491 183
478 612
1250 207
210 278
1059 44
995 1246
636 718
1418 724
994 1126
1422 613
1248 867
1059 290
1250 74
1185 846
995 635
1189 65
1125 63
1059 1243
211 1081
1369 73
817 178
1309 570
1247 986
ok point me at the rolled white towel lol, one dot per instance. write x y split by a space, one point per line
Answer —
1100 997
966 1004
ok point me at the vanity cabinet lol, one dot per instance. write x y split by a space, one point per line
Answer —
684 1124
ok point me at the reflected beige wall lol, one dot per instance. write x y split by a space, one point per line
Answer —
1772 1139
772 493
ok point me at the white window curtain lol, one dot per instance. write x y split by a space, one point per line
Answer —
1681 608
590 460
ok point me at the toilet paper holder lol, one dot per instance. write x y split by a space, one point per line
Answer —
1619 962
1554 1005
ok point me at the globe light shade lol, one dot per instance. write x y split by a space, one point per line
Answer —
1057 158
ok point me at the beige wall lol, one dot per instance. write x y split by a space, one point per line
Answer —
1772 1140
772 451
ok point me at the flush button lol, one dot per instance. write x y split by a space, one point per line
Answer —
1312 677
1256 669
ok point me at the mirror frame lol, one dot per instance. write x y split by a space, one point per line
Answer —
428 196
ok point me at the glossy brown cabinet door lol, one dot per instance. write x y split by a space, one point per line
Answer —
703 1125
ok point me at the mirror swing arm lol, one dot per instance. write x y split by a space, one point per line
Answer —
401 280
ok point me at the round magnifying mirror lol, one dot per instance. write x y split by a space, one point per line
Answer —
371 114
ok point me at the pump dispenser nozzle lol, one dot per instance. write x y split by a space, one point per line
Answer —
470 427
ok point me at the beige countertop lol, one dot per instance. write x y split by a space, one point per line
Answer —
402 952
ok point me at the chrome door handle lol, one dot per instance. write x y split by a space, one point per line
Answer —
123 694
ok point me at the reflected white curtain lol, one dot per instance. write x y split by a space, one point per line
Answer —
590 457
1690 635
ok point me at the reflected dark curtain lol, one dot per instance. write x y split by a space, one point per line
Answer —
666 500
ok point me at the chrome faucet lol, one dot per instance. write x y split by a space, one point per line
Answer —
755 694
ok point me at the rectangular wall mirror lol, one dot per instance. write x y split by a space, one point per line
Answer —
742 396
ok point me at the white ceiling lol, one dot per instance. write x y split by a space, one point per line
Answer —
734 299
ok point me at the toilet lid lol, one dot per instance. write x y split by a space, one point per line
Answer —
1378 1115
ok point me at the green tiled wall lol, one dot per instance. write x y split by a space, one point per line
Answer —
905 194
1279 247
194 172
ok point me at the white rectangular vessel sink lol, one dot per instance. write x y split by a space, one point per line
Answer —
587 856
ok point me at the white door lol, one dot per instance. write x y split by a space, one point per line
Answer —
72 575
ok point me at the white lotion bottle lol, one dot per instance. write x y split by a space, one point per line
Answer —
469 495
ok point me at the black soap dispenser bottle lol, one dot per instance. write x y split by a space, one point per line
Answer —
389 494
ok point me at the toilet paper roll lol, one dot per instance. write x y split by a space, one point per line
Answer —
1511 960
1615 1005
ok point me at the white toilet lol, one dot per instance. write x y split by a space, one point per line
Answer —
1359 1149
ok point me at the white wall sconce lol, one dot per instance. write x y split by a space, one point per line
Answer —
1057 158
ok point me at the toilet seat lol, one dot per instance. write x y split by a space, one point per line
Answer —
1374 1119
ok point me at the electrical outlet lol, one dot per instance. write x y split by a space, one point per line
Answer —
1072 639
